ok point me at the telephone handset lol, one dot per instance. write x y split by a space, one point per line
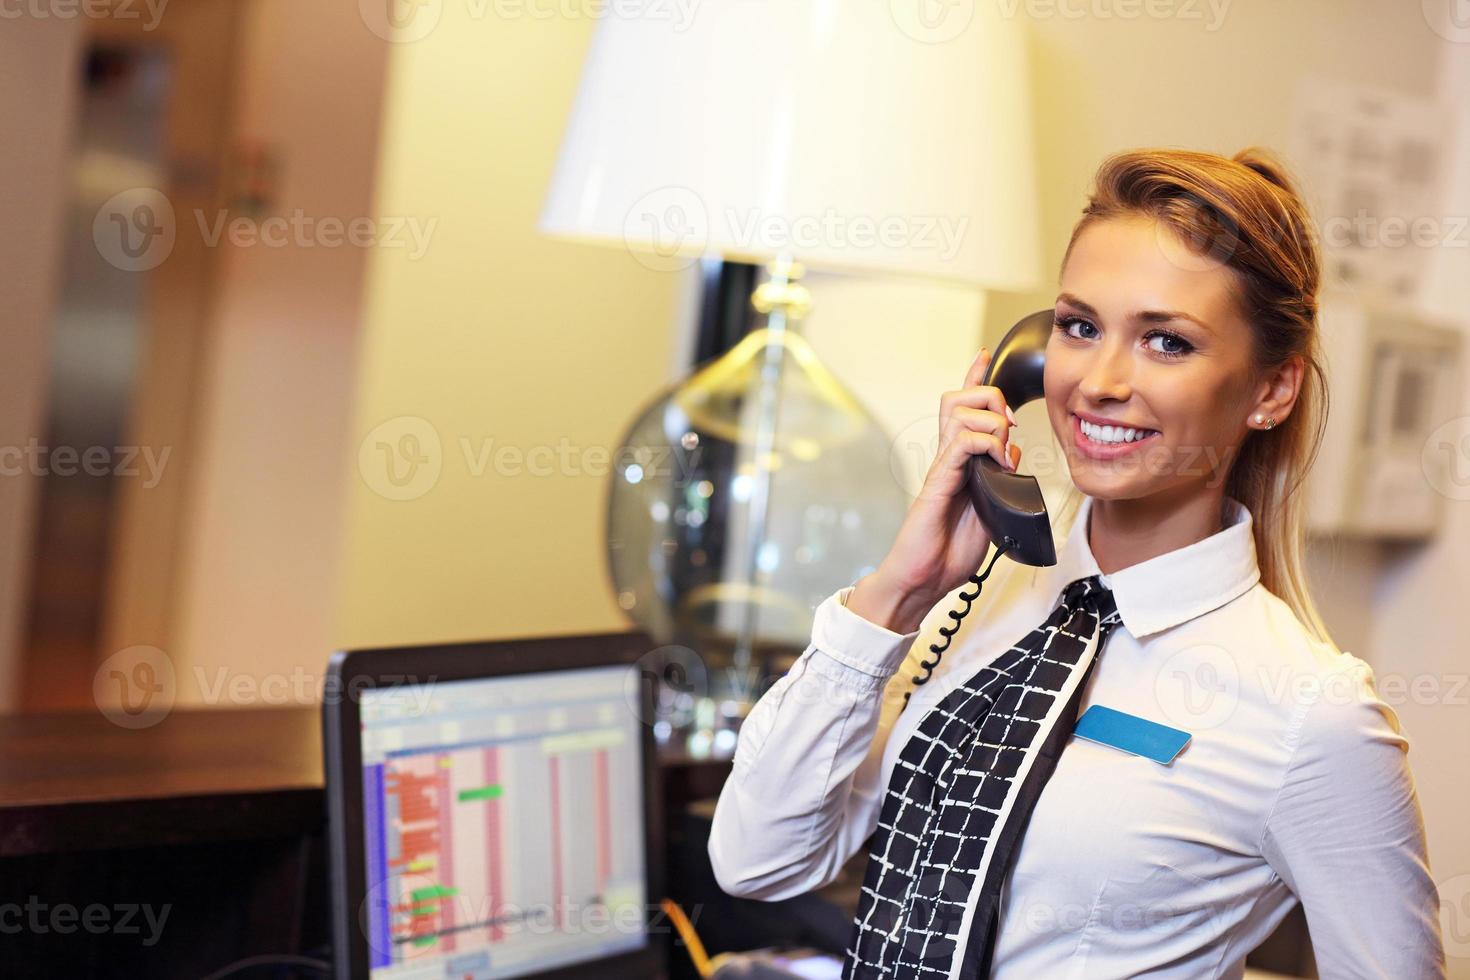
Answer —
1009 505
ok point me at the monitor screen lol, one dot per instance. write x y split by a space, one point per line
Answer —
504 824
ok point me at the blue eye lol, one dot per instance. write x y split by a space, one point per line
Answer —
1064 323
1184 346
1180 348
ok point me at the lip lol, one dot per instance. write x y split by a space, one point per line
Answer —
1095 450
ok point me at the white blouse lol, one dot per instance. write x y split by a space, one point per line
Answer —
1295 785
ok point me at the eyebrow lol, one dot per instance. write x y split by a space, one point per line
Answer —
1147 316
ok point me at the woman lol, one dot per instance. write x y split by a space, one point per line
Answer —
1184 382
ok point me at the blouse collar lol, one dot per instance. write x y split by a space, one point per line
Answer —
1174 587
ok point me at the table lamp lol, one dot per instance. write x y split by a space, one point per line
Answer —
859 136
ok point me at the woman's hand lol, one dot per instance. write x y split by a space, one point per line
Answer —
941 541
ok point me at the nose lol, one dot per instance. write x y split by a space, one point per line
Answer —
1109 372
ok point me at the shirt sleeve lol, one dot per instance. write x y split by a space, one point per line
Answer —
1346 835
805 787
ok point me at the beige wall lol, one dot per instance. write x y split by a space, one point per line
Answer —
258 595
38 76
498 337
1418 623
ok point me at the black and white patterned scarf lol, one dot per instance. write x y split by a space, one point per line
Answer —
962 792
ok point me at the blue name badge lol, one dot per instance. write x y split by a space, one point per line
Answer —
1131 733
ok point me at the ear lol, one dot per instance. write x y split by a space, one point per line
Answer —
1277 390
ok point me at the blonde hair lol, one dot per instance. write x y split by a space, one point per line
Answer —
1246 213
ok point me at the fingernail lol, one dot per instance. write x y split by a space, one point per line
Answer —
1010 415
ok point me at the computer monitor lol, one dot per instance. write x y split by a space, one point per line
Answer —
493 811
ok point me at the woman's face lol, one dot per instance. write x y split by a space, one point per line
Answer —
1150 339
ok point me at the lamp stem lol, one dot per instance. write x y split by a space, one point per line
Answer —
784 301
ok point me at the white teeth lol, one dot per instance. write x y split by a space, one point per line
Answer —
1112 433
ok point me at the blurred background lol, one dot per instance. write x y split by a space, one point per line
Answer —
345 324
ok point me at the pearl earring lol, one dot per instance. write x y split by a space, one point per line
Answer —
1265 422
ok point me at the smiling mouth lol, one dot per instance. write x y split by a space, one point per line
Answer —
1113 435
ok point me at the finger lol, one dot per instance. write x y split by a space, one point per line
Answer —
950 468
977 419
987 397
970 443
977 368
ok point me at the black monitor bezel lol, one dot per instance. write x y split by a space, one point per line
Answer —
351 671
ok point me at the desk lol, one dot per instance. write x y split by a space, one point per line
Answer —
210 820
219 815
73 782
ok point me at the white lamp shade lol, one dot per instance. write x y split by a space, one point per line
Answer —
848 134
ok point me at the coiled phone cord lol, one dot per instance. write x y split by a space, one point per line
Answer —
948 632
